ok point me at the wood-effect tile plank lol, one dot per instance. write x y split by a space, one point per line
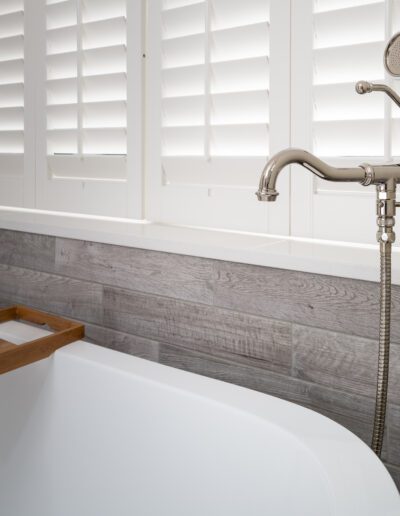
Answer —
165 274
56 294
200 327
337 304
341 361
27 250
123 342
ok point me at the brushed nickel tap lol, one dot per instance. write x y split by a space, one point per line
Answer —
364 174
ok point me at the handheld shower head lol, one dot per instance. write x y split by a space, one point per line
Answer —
392 64
392 56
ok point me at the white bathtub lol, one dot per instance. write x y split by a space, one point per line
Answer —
93 432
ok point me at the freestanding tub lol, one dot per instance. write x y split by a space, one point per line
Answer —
93 432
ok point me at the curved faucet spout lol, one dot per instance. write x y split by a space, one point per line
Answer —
267 188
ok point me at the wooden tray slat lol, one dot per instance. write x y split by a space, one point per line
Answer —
5 345
14 356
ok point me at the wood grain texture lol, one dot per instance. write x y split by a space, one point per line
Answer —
200 327
337 304
352 411
181 277
341 361
123 342
27 250
56 294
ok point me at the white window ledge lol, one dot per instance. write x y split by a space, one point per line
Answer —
317 256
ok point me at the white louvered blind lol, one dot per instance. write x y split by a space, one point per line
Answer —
348 46
87 88
215 78
347 42
11 78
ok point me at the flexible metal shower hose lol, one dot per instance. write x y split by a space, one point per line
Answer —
384 348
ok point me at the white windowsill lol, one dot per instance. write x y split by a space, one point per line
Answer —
322 257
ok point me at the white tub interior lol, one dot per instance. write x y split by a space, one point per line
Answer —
93 432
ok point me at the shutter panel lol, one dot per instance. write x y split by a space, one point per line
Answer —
214 77
86 39
11 102
87 103
345 51
226 46
347 44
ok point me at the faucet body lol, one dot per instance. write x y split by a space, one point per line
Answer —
385 177
364 174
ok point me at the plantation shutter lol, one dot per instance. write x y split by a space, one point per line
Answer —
215 78
11 102
88 109
346 44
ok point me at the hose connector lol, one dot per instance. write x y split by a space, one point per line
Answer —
386 211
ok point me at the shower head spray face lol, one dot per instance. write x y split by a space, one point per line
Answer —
392 56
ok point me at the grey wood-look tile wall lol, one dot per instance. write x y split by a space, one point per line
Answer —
307 338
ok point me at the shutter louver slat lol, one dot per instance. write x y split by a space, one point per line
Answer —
250 107
96 10
11 142
183 82
104 33
326 33
62 91
11 6
103 88
12 48
174 4
12 71
187 21
12 95
12 24
236 13
11 77
12 119
331 5
349 137
61 14
348 63
86 81
228 43
239 140
62 41
338 102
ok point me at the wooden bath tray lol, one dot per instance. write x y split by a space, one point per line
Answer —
13 356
